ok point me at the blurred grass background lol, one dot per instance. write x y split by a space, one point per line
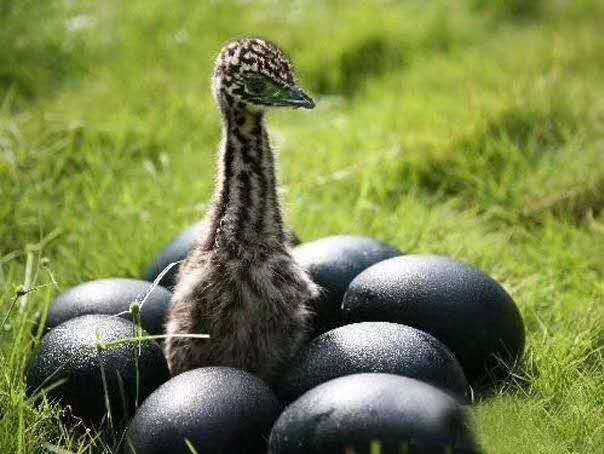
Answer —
469 128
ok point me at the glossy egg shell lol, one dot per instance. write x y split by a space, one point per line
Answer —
177 250
112 297
69 358
373 347
456 303
217 409
333 262
352 413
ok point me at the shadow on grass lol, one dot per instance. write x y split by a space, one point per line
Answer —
371 57
492 167
506 378
379 53
510 9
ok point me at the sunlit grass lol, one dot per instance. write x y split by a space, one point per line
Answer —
452 128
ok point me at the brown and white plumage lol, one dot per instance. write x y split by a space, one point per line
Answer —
241 285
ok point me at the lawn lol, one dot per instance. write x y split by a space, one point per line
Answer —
467 128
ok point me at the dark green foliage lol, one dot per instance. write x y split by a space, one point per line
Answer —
527 129
510 9
512 140
483 168
377 52
38 49
368 58
475 133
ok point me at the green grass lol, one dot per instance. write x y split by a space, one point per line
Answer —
470 128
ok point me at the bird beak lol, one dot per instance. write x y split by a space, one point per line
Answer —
295 97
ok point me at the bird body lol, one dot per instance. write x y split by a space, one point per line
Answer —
241 285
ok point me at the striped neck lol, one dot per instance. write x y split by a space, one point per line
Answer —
246 208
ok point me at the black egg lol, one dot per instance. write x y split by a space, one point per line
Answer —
111 297
333 263
69 359
459 305
180 248
217 409
373 347
350 414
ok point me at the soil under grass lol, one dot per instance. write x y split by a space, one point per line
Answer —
473 129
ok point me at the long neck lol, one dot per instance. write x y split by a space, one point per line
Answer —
246 208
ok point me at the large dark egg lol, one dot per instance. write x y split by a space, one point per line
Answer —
111 297
179 250
218 410
367 413
373 347
71 367
333 263
456 303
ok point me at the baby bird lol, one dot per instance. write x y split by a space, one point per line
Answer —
241 285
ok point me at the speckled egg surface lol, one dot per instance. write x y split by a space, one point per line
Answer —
218 410
373 347
111 297
351 413
178 250
333 262
456 303
69 357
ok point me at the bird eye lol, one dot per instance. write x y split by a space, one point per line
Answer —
255 85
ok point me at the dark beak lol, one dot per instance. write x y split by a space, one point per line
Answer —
297 98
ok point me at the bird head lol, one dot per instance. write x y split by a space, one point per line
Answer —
254 74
